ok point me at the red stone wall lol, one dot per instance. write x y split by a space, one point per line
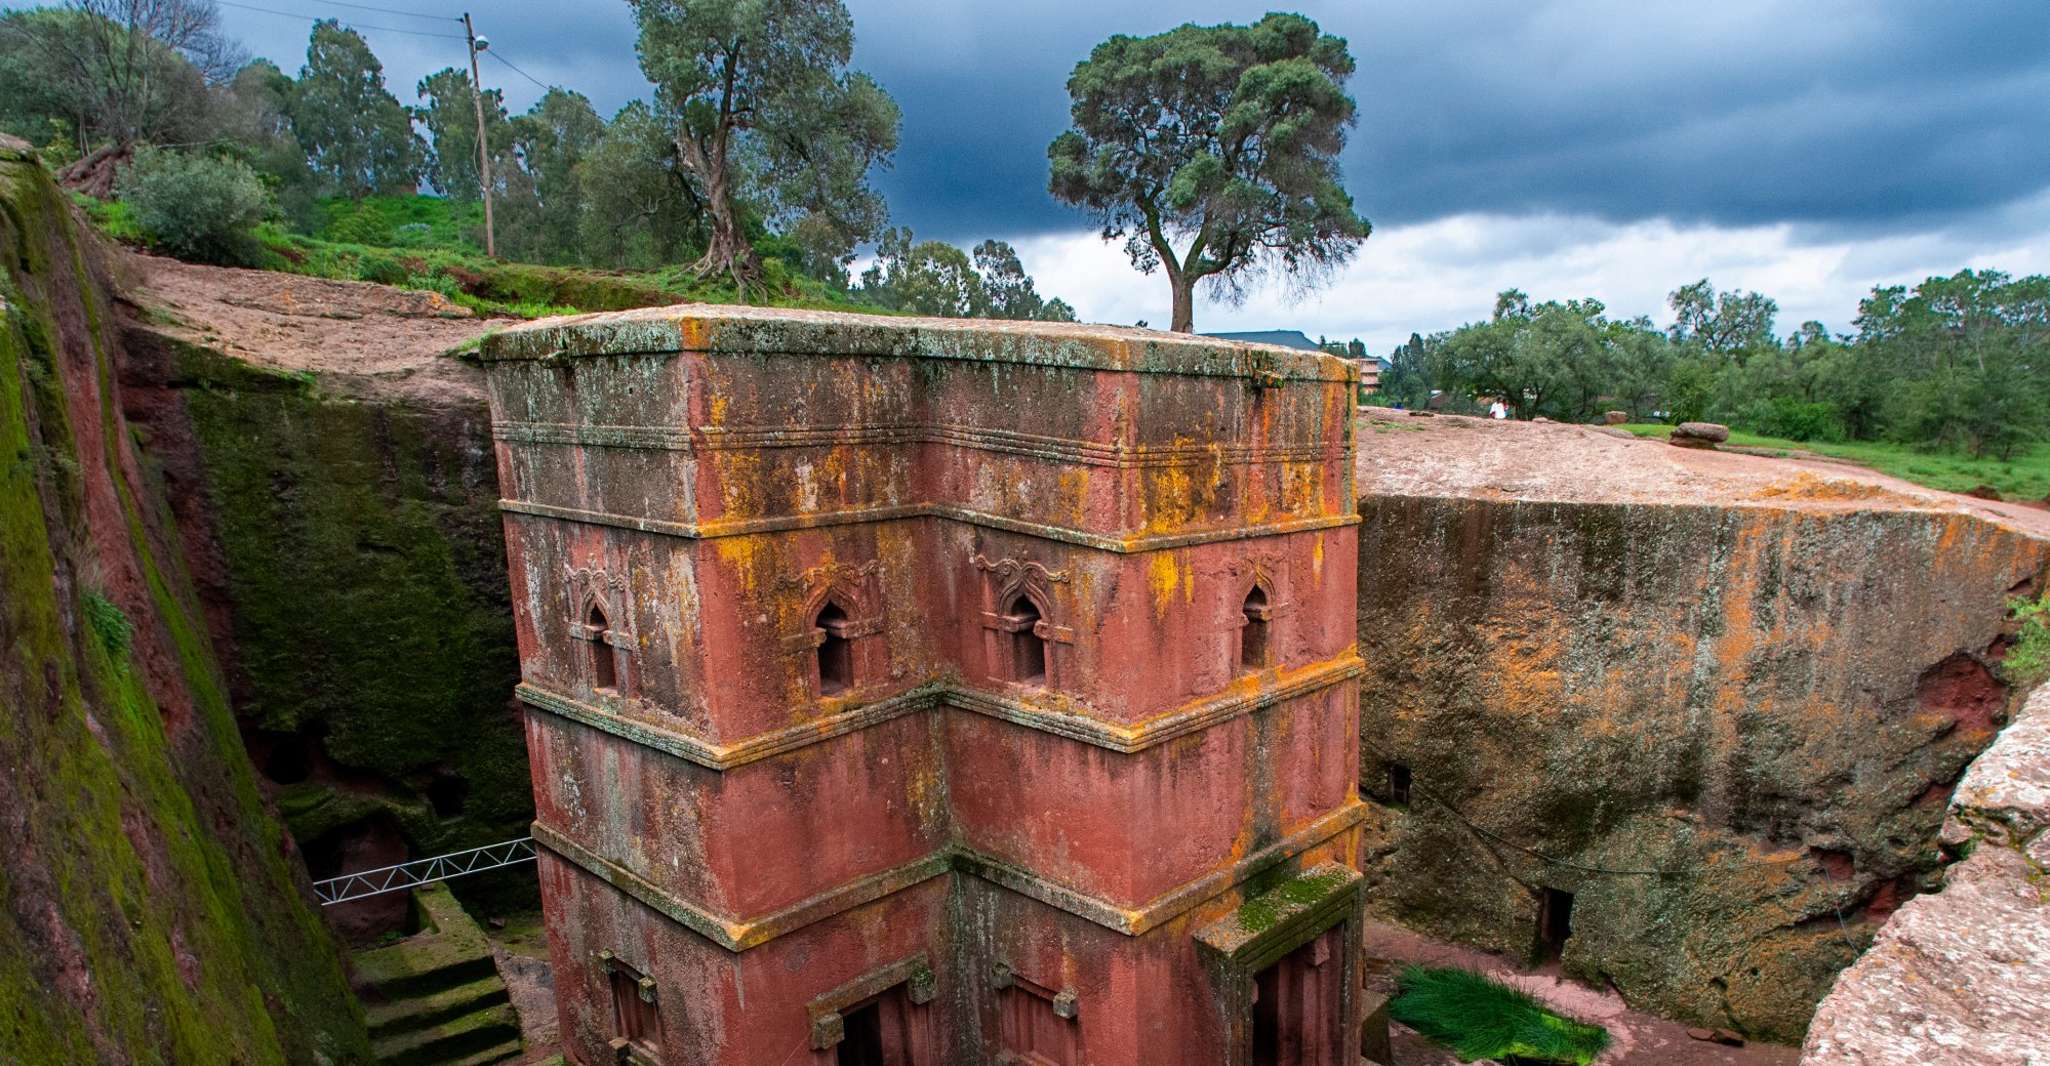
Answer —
762 849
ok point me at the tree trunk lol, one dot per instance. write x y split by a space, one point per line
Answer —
1184 302
729 251
94 174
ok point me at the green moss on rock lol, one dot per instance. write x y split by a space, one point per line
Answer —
366 585
154 913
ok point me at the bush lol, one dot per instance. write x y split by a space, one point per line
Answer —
1784 416
195 206
2028 659
1482 1019
109 624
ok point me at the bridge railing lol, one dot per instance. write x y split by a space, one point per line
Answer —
419 872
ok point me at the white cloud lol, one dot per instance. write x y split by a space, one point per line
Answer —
1437 275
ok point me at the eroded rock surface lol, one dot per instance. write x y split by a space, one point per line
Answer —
1717 700
1962 976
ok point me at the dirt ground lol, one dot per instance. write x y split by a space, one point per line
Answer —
1636 1038
362 339
1404 455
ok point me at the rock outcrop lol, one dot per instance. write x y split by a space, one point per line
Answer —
1688 719
336 484
154 908
1961 977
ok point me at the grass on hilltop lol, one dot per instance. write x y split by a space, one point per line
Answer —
2025 477
429 243
1479 1018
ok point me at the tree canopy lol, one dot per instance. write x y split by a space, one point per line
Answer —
936 278
108 75
450 116
358 138
1222 138
758 101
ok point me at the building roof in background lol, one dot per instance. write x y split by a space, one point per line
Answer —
1287 338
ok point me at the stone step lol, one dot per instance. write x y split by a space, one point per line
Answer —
452 1041
505 1052
450 950
420 969
390 1017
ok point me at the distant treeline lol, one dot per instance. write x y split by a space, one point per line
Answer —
722 168
1961 363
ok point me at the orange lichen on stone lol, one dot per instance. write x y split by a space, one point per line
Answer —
1807 486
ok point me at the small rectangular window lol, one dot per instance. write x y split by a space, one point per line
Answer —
1398 785
635 1020
1032 1031
836 651
1555 923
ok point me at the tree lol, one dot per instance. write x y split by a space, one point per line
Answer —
111 74
1225 138
936 278
450 117
255 119
359 139
925 278
759 104
1731 323
1969 356
550 144
1008 292
639 209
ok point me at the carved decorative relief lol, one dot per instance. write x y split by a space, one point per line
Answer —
592 586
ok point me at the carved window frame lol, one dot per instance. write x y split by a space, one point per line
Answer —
629 1049
1006 581
596 588
914 975
853 588
1065 1004
1268 574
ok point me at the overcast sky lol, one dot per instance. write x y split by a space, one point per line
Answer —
1808 149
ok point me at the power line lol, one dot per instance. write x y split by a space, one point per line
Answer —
516 70
352 25
393 11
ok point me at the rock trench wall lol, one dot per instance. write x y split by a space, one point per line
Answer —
351 551
1728 732
1961 977
152 909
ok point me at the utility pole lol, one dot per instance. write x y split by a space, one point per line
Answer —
483 147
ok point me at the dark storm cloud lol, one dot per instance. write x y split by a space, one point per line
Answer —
1835 116
1851 114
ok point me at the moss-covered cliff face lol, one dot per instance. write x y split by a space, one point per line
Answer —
1728 732
154 909
352 547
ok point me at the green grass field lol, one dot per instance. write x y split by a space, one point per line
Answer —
1483 1019
426 242
2026 477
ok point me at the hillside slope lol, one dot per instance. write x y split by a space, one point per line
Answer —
154 909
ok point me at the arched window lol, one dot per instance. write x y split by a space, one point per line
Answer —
604 664
1028 648
835 651
1253 635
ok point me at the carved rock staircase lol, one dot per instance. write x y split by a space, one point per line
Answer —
435 998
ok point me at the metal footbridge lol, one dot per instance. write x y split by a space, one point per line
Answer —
413 874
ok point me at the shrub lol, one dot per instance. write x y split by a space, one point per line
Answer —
195 206
2028 659
109 624
382 269
1482 1019
1784 416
